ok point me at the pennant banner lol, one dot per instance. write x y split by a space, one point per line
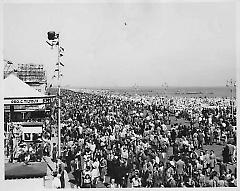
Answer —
60 63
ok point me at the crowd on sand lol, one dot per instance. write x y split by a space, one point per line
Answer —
117 142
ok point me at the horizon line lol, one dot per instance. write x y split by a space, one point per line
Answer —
160 87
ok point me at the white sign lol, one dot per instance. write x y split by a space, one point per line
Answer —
15 101
32 129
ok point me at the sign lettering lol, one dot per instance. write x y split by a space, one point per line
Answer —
27 101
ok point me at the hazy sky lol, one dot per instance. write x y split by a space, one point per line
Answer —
185 44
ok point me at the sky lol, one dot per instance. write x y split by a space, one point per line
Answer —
181 44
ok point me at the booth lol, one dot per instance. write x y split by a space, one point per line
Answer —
20 98
16 92
31 131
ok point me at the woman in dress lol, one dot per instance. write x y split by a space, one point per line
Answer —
103 168
95 170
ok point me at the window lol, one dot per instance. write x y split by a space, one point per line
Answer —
35 136
27 136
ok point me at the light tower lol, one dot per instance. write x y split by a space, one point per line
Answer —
53 41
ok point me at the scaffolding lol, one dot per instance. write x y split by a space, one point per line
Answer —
32 73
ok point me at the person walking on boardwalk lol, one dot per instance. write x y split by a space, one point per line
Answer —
54 153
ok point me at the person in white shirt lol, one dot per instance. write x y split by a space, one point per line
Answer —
56 183
92 146
113 184
157 159
124 153
87 178
136 182
95 171
185 141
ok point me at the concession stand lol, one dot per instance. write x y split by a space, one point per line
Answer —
31 131
21 101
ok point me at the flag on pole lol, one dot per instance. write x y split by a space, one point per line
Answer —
60 63
49 43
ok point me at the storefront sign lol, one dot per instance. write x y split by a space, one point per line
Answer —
27 101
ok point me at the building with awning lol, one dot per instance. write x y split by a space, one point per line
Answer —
20 99
16 92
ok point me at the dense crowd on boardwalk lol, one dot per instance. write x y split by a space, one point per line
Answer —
125 141
116 141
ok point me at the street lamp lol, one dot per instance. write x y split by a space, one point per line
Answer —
53 40
231 84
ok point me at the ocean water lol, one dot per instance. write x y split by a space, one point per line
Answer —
222 92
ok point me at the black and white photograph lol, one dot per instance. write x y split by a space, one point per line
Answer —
119 94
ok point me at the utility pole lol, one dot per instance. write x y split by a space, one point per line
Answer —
53 40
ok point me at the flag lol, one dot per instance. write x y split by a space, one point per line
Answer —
56 70
60 63
61 48
61 54
49 43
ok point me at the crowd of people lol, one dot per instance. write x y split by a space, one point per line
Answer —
18 150
115 141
